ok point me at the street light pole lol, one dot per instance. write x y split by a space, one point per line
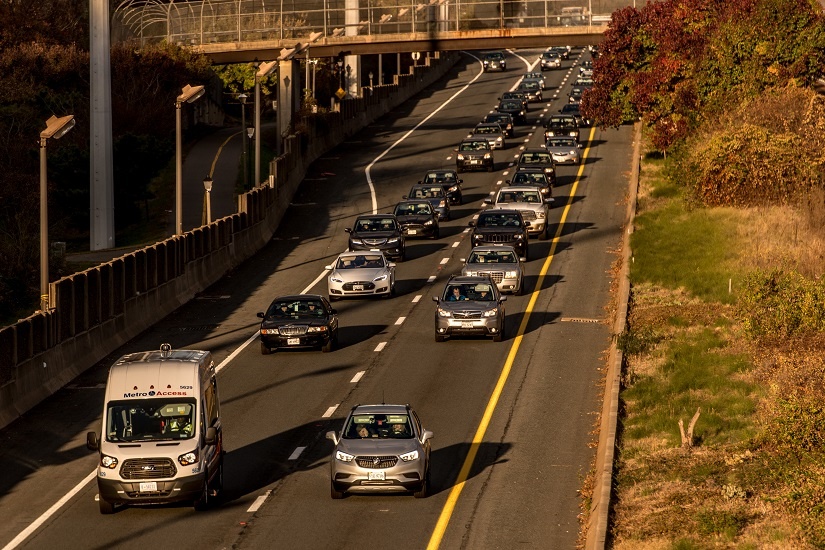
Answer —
189 94
244 155
264 69
55 128
207 186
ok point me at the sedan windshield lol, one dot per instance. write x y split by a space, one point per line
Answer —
296 309
385 224
370 261
413 209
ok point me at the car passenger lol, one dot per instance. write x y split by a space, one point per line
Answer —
399 430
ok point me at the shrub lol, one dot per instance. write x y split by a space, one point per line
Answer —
779 304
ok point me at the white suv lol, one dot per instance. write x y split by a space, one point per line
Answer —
528 200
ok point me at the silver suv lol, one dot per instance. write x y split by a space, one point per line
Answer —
382 448
470 306
528 200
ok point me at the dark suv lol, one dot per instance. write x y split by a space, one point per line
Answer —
561 126
538 158
506 227
473 154
377 232
494 61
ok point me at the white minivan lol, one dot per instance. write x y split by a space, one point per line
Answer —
161 437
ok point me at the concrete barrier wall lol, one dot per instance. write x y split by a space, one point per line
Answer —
94 312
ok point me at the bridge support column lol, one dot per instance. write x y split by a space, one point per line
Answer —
289 97
352 63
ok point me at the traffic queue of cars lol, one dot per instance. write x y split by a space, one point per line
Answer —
385 448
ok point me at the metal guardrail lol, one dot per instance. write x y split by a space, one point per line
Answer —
211 22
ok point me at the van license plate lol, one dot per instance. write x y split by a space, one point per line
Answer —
149 487
377 476
293 341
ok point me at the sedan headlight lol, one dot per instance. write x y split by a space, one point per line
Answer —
471 273
269 331
442 203
510 274
108 462
357 241
443 312
453 189
572 151
428 222
498 140
521 113
410 456
187 459
344 457
336 280
491 312
487 156
317 329
393 240
380 278
460 156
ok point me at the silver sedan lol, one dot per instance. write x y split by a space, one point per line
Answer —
565 150
501 263
361 273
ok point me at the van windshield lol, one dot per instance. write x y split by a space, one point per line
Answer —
150 420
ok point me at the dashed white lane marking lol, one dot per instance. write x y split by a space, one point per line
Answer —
258 502
468 229
475 216
400 320
416 299
296 453
455 244
444 261
358 376
431 279
330 411
380 346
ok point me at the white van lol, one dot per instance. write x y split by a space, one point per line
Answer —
161 435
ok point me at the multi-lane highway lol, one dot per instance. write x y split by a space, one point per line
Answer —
513 421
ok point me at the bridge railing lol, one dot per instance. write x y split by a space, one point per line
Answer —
202 22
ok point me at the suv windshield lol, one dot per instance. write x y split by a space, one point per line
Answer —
383 426
491 257
150 420
493 219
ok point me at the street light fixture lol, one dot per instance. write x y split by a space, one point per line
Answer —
207 186
189 94
56 128
370 75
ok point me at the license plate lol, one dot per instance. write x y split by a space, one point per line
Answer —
473 162
293 341
357 287
466 324
412 231
149 487
378 476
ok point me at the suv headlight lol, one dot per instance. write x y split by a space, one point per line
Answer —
410 456
317 329
510 274
443 312
343 457
491 312
187 459
108 462
460 156
471 273
488 156
540 215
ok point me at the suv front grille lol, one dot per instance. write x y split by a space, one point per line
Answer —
376 461
374 242
467 314
147 468
499 238
299 330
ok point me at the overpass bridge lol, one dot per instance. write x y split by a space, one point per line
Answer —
236 31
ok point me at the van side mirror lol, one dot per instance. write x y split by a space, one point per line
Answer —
211 436
332 436
91 441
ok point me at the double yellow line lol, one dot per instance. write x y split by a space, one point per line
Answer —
452 499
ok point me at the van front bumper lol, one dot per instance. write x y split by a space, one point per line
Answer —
170 490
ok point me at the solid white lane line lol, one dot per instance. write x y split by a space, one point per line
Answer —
258 502
296 453
24 534
380 346
330 411
400 321
416 299
237 351
315 282
358 376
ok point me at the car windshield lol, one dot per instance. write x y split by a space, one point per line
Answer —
487 130
498 220
295 309
562 142
474 146
497 118
535 158
380 426
150 419
432 192
413 209
529 85
375 224
439 177
491 257
477 292
529 177
518 196
369 261
510 105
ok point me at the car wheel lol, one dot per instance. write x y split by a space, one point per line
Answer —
105 506
202 502
333 298
437 233
425 487
334 493
520 290
460 199
329 346
490 168
403 255
544 235
265 350
439 337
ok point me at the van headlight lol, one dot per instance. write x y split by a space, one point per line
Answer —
187 459
410 456
108 461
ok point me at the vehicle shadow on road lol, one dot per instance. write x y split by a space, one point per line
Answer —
447 463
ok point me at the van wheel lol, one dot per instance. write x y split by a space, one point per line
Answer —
106 507
202 502
265 349
334 493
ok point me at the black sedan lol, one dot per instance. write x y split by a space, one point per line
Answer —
377 232
417 218
299 321
514 108
449 179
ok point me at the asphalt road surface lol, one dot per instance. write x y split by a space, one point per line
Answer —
523 410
